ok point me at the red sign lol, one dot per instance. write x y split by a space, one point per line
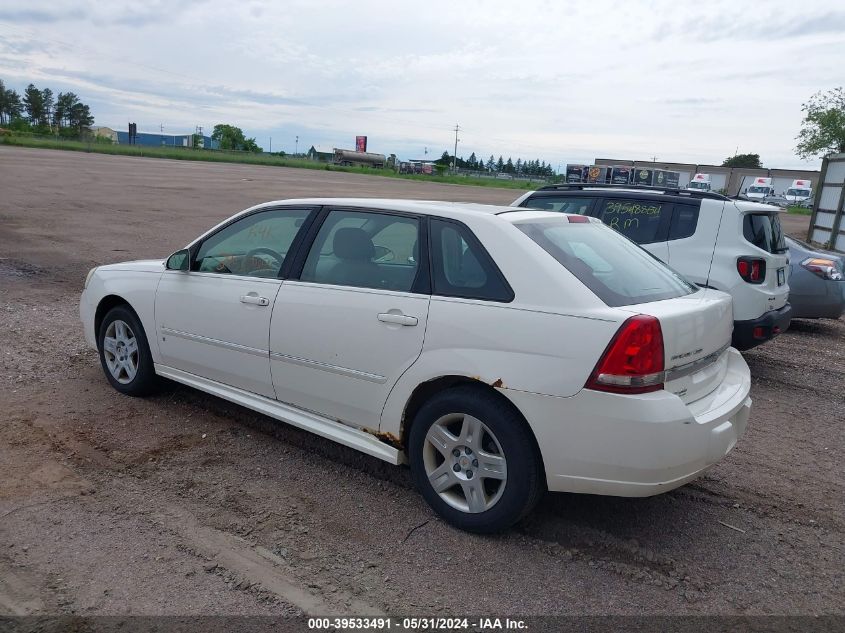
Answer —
360 143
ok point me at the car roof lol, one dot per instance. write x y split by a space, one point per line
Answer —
422 207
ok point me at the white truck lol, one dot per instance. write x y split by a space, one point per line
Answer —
699 182
800 191
760 188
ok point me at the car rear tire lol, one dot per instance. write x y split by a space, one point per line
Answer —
474 460
125 353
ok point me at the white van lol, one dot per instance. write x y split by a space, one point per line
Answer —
760 188
699 182
800 191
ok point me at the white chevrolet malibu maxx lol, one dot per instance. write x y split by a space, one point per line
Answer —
499 351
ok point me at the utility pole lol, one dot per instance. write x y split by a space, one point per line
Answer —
296 146
271 144
455 156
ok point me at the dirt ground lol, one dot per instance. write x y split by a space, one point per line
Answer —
185 504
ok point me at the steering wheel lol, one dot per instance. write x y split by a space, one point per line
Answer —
267 251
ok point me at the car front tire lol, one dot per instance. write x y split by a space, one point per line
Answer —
125 353
474 460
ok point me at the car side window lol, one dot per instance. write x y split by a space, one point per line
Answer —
461 267
684 221
568 204
638 220
365 249
254 246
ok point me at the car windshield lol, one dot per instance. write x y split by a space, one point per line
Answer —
615 269
760 189
764 231
798 193
697 185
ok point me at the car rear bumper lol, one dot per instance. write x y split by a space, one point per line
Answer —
748 334
636 446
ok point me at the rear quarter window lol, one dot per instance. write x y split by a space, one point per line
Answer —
764 231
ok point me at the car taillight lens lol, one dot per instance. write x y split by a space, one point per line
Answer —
824 268
633 361
751 269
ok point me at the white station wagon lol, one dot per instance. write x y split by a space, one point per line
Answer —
499 351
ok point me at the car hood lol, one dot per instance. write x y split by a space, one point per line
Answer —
141 266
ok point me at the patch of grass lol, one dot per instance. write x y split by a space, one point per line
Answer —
218 156
796 210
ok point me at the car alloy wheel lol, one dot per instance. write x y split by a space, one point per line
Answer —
120 349
465 463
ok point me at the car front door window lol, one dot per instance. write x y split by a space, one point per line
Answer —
254 246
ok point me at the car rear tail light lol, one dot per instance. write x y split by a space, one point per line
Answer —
751 269
633 360
824 268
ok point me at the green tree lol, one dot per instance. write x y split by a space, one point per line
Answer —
509 166
249 145
472 162
500 164
823 128
743 160
47 104
64 105
80 117
228 136
33 103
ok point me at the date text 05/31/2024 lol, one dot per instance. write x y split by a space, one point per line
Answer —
409 624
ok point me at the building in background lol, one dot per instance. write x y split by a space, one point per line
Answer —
322 157
104 132
161 139
729 180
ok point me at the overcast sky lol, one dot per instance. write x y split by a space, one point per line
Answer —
559 81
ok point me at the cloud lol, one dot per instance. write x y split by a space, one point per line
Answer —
550 80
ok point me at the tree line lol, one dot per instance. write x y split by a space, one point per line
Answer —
41 111
519 168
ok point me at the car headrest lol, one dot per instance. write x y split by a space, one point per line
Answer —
353 243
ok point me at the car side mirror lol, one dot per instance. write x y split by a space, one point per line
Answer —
179 260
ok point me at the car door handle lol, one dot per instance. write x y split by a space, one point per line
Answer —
400 319
255 300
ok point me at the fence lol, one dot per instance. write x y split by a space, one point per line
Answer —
826 226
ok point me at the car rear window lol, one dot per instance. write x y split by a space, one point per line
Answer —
615 269
764 231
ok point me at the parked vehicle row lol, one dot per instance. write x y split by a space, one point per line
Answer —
500 351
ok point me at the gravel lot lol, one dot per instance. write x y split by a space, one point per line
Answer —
185 504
